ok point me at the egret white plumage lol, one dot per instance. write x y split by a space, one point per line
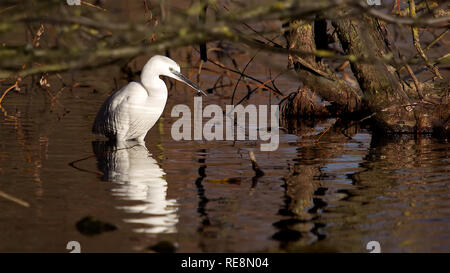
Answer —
132 111
140 183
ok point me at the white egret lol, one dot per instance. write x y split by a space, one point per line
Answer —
132 111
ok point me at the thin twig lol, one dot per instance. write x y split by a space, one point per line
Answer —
7 8
240 77
93 6
260 87
326 130
278 92
438 38
7 90
14 199
416 41
416 82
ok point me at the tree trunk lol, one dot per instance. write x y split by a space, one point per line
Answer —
314 74
382 91
396 108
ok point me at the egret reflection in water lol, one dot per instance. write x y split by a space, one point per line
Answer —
140 181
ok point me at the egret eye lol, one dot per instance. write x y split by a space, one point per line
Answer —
170 69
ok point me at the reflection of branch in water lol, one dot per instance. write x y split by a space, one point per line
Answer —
98 152
138 178
72 164
258 172
32 155
300 206
201 192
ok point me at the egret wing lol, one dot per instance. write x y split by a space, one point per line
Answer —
111 118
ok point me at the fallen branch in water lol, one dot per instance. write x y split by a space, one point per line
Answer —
255 166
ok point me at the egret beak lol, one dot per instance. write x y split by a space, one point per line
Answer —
183 78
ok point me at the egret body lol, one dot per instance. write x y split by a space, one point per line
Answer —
131 112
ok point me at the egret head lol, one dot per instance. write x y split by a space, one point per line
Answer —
163 66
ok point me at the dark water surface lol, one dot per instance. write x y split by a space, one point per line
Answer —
335 194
